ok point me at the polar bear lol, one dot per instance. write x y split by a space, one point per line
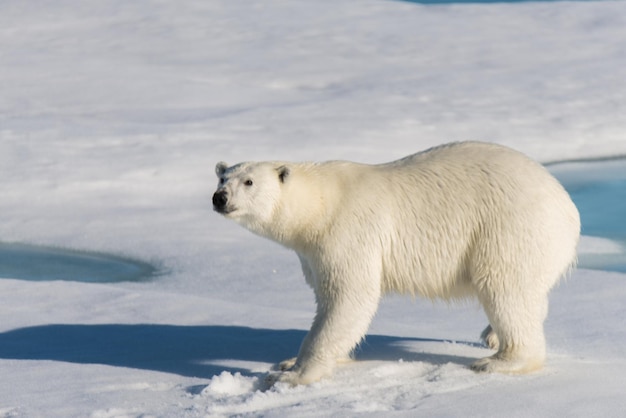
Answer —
460 220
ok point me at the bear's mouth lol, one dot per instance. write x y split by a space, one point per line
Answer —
224 210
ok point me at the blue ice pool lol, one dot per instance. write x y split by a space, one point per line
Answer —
39 263
599 190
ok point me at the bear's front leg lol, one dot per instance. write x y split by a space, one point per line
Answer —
346 304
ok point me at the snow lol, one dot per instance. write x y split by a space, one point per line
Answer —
113 115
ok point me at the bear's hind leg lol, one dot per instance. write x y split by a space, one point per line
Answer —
518 326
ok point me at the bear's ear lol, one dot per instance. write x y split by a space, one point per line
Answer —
220 168
283 173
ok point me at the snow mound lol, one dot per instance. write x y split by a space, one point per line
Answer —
228 384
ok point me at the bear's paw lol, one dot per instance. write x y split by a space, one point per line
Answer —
494 364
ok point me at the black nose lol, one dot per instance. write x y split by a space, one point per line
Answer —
220 199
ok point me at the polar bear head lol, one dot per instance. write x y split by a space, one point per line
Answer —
249 193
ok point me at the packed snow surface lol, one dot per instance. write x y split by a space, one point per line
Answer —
113 115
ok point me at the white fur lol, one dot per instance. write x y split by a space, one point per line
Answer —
460 220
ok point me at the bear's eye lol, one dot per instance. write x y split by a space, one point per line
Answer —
222 180
248 183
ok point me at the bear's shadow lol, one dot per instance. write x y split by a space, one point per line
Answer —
194 351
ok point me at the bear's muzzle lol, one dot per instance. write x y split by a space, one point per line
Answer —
220 201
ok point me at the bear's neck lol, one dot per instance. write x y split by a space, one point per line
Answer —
304 214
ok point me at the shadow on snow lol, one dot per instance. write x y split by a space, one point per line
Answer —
187 350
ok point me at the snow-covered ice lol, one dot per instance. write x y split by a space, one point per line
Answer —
113 115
